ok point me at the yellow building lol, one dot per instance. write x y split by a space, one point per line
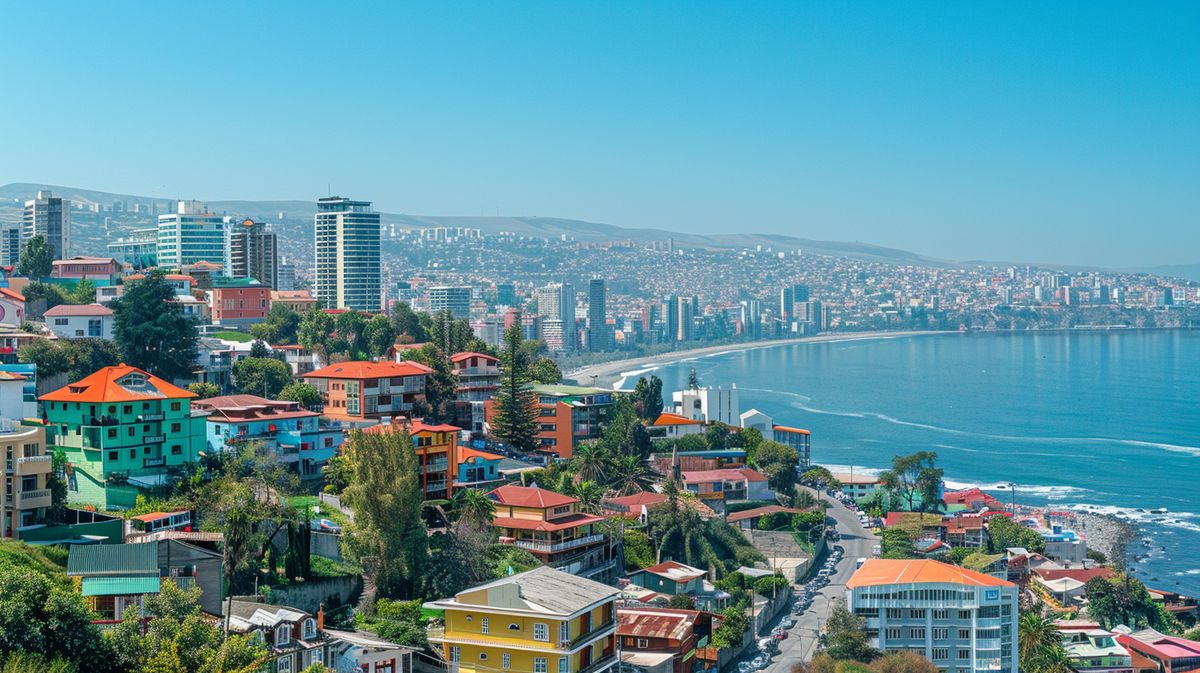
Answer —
539 621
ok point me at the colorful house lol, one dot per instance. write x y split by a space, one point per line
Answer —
12 307
673 426
122 430
567 415
26 471
1157 651
550 526
728 485
672 578
538 621
651 637
294 432
87 321
478 377
239 302
367 391
477 467
294 639
436 447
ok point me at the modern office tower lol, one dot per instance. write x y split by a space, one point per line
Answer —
751 317
455 299
799 293
49 216
192 234
139 249
253 253
789 296
811 315
10 245
347 254
599 338
684 329
557 302
962 620
286 275
506 294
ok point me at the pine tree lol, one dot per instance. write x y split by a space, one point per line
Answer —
515 421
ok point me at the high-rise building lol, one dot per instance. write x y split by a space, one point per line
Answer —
684 330
253 253
599 338
506 294
751 317
49 216
286 275
10 245
139 249
347 254
557 302
192 234
455 299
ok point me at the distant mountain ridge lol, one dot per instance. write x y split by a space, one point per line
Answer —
543 227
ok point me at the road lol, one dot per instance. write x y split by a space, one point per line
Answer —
802 638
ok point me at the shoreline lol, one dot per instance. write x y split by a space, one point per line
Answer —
610 374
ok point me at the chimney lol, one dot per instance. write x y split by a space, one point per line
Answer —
321 618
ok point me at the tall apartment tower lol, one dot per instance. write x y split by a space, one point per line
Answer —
455 299
599 337
10 245
192 234
253 253
48 216
557 302
347 254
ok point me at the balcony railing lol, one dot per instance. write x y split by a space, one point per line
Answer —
149 418
154 439
551 547
154 462
439 466
987 643
34 465
33 499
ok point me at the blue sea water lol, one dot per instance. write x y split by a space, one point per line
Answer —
1103 420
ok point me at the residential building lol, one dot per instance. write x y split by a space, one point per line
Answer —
478 378
568 415
300 301
550 526
711 405
599 333
365 653
1152 650
728 485
10 244
650 637
557 302
1064 546
672 578
367 391
108 293
12 307
673 426
538 621
347 254
1092 649
797 438
293 432
476 468
80 321
455 299
634 507
299 359
286 275
857 485
436 448
26 471
48 216
294 639
139 249
99 270
192 234
961 620
239 302
253 253
122 429
18 398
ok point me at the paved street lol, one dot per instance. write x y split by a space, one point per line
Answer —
802 638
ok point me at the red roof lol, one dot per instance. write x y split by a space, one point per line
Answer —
72 309
155 516
459 357
12 294
729 474
369 370
255 408
647 498
1078 574
971 497
785 428
563 523
105 385
411 427
528 496
675 419
673 624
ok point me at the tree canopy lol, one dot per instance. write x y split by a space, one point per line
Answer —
151 330
36 260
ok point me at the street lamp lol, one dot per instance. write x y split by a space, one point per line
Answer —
1013 486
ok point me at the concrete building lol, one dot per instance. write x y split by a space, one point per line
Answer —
139 249
48 216
550 526
99 270
253 253
348 273
192 234
294 433
961 620
26 471
10 245
599 334
567 415
436 447
455 299
365 391
478 377
711 405
239 302
84 321
116 578
16 402
557 302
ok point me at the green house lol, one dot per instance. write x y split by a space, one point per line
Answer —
122 430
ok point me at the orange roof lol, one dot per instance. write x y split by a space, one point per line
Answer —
562 523
466 453
760 511
647 498
879 572
459 357
155 516
106 385
12 294
727 474
784 428
528 496
675 419
411 427
369 370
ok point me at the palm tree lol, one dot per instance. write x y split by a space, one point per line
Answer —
1036 639
473 506
590 495
1055 660
630 474
592 463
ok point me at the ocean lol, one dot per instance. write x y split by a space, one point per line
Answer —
1102 421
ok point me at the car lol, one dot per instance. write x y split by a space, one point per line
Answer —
876 550
787 622
858 563
745 667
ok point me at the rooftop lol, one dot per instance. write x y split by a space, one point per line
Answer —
78 309
541 590
529 496
673 624
882 572
731 474
675 571
369 370
119 383
113 560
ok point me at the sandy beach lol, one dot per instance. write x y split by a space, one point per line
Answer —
609 374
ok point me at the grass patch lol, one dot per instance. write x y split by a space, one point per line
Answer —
230 335
327 567
305 503
49 562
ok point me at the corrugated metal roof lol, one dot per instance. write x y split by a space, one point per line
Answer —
120 586
114 559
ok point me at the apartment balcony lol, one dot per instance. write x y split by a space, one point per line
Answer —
154 439
435 486
154 462
150 418
990 622
987 644
32 499
988 665
435 467
552 547
33 465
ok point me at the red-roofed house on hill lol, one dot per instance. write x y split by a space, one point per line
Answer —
551 527
437 450
729 485
1167 654
293 432
671 634
478 377
365 391
971 499
86 321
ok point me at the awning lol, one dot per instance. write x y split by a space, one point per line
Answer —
120 586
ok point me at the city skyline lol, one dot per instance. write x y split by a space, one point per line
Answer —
1015 133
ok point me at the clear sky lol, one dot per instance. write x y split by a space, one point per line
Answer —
1042 131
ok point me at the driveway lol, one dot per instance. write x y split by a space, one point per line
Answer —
802 638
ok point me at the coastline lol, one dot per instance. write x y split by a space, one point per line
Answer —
610 374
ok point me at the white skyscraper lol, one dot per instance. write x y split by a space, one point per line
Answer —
557 302
347 254
192 234
48 216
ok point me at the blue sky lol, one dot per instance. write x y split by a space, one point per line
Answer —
1065 132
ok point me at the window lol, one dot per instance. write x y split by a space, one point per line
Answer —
176 427
514 627
941 654
564 665
941 614
964 634
963 654
282 635
59 322
310 629
564 630
916 614
917 632
483 656
176 450
284 665
941 634
643 643
541 632
455 653
484 625
893 633
505 660
176 406
112 455
539 665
